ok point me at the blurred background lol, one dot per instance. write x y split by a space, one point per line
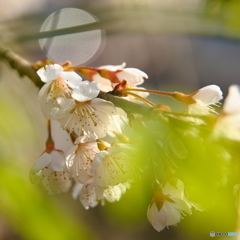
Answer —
181 44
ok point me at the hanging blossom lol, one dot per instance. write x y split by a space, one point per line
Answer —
203 99
167 206
228 122
109 76
50 172
79 161
90 195
112 172
59 83
114 165
87 116
86 194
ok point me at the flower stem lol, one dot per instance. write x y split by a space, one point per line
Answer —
84 68
149 91
49 142
142 99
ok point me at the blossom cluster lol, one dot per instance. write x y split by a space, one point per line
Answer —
101 171
98 171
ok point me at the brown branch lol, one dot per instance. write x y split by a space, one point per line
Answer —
25 68
21 65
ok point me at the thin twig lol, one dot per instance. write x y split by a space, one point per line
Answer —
21 65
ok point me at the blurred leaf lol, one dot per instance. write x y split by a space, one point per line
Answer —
33 215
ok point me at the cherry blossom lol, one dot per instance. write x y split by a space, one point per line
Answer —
50 172
167 207
228 123
114 165
79 160
109 76
203 98
59 83
86 194
85 115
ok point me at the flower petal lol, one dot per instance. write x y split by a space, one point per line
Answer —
50 72
72 78
85 91
232 101
209 95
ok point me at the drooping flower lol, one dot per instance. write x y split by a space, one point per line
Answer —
167 207
79 161
114 165
114 193
228 122
87 116
86 194
203 99
49 171
89 194
109 76
59 83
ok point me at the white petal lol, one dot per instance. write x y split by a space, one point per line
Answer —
41 162
103 83
113 68
98 159
50 72
63 108
232 101
173 214
112 193
87 195
65 103
133 76
118 121
85 91
182 205
58 161
104 105
209 95
198 109
72 78
80 162
168 189
70 155
158 219
42 94
76 190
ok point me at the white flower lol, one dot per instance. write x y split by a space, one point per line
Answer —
89 194
167 207
228 122
79 161
114 193
59 83
50 172
87 116
111 75
88 120
204 97
86 194
232 102
85 91
113 166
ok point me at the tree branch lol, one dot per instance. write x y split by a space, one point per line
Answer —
25 68
21 65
